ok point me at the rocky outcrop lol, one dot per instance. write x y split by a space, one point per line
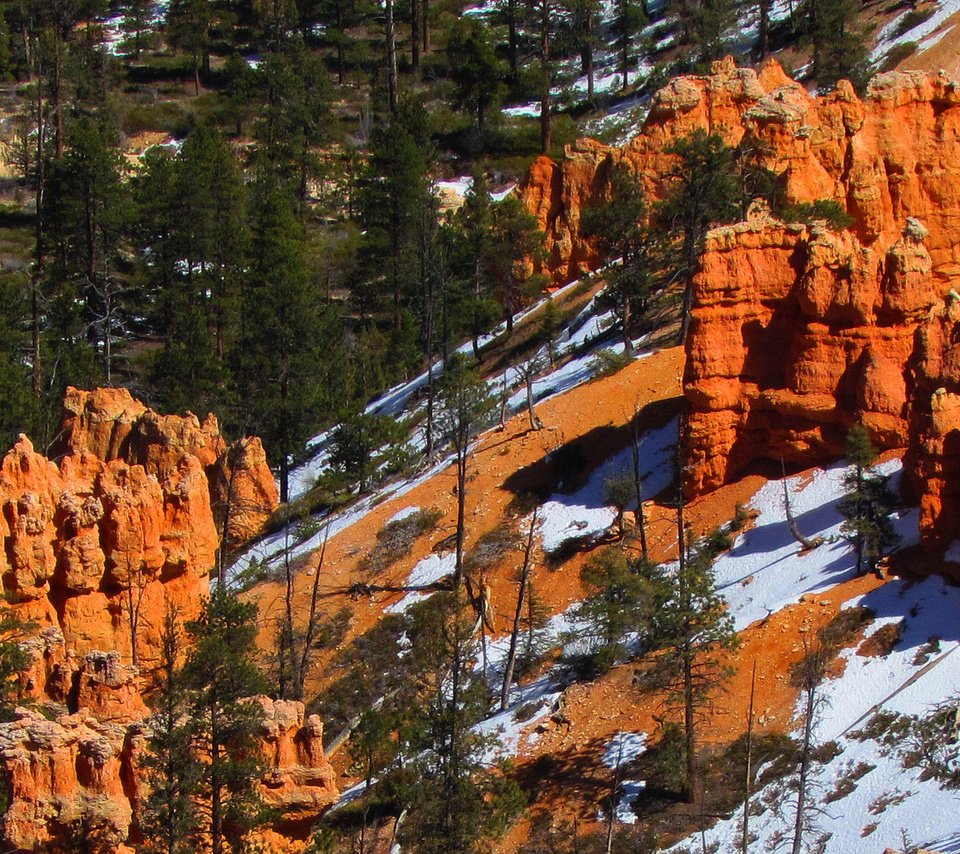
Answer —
300 782
800 331
129 517
111 424
95 548
80 773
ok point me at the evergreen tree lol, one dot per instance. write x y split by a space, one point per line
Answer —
705 192
617 603
169 819
188 29
398 210
630 18
466 404
690 631
455 802
705 25
220 675
138 20
477 73
584 16
358 443
515 241
623 233
839 47
867 503
296 115
282 372
471 253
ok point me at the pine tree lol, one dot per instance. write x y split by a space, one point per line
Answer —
169 820
138 17
839 47
220 675
297 95
188 26
281 371
455 802
466 405
477 73
867 503
705 24
622 231
690 631
617 603
705 192
630 18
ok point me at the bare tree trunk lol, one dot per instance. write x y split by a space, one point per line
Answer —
515 631
686 656
791 521
391 58
638 483
812 672
612 810
461 511
545 74
415 30
425 24
748 772
311 621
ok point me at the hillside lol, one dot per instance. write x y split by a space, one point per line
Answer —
565 494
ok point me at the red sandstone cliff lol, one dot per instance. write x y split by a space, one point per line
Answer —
79 774
799 331
128 518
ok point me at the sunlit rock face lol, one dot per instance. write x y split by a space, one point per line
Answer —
800 331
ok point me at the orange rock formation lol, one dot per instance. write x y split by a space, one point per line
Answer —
79 773
800 331
129 517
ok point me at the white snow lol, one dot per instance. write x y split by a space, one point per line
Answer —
886 40
428 571
583 514
765 571
952 553
406 513
624 747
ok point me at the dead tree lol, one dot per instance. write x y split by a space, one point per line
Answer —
521 594
806 542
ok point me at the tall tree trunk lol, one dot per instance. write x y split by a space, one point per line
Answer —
515 631
415 34
686 653
810 690
638 483
512 40
425 25
461 509
391 58
763 37
748 771
545 75
36 275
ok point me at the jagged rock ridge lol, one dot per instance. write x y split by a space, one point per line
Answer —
798 332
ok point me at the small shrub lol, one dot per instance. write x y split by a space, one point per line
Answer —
930 648
608 362
395 540
254 573
897 54
882 642
827 210
844 627
492 547
913 18
741 516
